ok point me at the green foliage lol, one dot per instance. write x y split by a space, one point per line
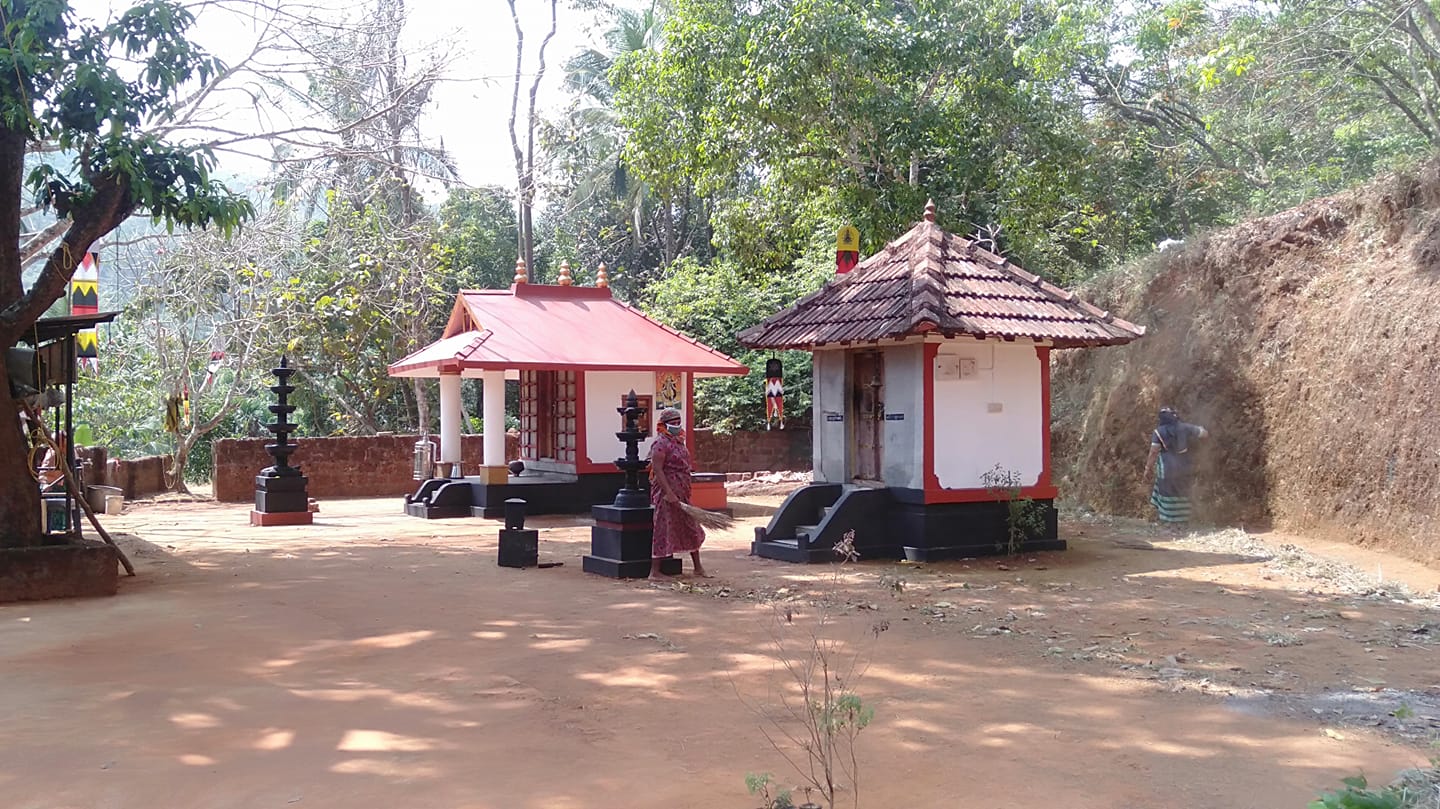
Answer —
477 239
792 115
1357 795
763 786
1024 518
363 296
61 83
122 405
713 304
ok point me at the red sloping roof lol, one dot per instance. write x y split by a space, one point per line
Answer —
930 281
536 326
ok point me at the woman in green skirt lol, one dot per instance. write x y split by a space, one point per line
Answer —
1170 462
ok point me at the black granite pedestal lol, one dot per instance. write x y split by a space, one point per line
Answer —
519 547
624 531
620 543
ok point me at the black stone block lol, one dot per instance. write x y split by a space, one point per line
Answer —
519 547
630 569
281 501
612 543
296 483
623 516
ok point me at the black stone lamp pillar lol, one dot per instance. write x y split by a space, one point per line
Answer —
621 539
281 497
519 546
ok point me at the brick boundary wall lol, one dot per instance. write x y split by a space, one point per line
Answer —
344 466
759 451
137 477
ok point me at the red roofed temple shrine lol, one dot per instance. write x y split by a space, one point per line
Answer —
576 352
932 401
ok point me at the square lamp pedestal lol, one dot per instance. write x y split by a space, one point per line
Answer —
519 547
620 543
281 501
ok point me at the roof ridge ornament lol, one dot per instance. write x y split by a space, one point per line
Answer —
602 279
565 279
930 211
522 275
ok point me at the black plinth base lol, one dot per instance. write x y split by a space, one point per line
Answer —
519 547
620 543
281 494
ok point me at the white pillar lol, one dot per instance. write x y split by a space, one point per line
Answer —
450 421
493 391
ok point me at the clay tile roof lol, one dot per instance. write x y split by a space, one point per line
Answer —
539 326
932 281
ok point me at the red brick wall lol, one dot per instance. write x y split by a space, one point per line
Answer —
765 451
138 477
358 466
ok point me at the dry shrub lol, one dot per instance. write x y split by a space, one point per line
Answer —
1306 342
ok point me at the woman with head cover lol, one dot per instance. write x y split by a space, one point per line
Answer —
670 468
1170 461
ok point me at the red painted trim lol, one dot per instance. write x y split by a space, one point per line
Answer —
506 365
582 421
528 290
927 472
689 402
269 518
1043 352
985 495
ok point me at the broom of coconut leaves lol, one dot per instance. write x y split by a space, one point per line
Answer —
712 520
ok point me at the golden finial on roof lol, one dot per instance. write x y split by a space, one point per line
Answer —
565 279
522 276
929 210
601 279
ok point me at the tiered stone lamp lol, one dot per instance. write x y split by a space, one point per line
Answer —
622 537
281 497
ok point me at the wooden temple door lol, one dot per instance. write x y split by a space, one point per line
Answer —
549 415
867 414
546 412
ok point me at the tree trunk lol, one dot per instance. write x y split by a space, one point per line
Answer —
179 461
19 494
20 498
422 407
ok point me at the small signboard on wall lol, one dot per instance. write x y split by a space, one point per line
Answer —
953 366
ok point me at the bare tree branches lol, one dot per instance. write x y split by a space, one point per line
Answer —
525 160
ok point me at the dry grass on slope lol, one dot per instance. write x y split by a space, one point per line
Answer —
1307 342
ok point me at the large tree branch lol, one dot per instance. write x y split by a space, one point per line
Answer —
110 205
12 171
42 239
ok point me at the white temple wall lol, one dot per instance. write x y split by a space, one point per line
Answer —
988 411
603 390
829 410
902 454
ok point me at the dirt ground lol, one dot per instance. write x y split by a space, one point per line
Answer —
375 660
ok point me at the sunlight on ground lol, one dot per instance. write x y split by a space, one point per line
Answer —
386 769
631 677
272 739
398 640
195 721
381 741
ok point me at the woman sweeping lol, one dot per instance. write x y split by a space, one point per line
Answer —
670 468
1170 461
